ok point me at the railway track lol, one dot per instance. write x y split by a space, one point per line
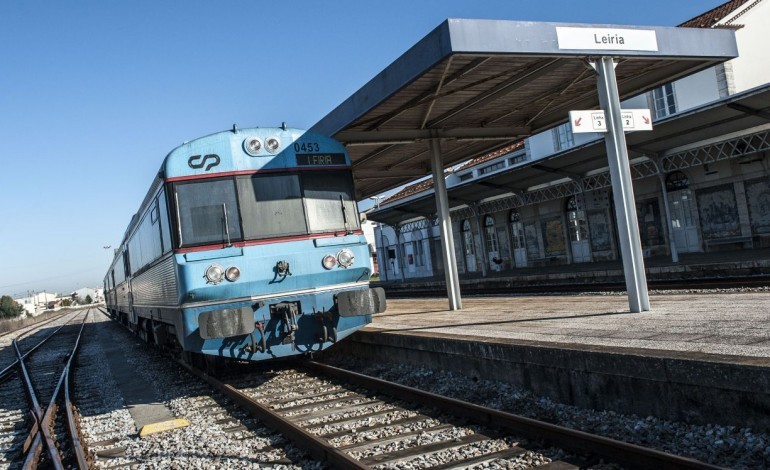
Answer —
37 422
353 421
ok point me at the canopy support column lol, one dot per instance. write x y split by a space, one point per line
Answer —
669 225
399 252
622 189
445 227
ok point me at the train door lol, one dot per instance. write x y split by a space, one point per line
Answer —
469 247
493 247
132 320
578 232
682 207
519 240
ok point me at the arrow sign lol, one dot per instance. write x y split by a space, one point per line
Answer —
633 120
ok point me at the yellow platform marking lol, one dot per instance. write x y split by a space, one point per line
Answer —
163 426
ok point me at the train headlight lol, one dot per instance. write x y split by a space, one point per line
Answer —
252 146
215 273
272 144
329 261
345 257
233 273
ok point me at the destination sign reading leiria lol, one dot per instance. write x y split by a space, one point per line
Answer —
320 159
607 39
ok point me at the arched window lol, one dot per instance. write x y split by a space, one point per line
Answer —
578 230
578 227
491 235
676 180
517 230
468 246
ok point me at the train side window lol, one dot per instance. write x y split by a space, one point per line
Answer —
208 212
165 227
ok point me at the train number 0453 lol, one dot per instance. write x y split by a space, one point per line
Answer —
307 147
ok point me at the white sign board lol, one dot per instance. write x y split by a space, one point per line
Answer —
607 39
593 120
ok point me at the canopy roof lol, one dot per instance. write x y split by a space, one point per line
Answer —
736 114
479 85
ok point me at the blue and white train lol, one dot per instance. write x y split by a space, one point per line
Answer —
248 246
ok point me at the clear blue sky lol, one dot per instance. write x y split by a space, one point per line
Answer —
93 95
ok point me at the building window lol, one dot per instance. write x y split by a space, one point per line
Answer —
491 168
491 235
663 98
466 176
563 138
517 158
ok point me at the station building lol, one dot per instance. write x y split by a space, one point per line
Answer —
709 190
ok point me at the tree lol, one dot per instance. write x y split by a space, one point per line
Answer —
66 302
9 308
89 299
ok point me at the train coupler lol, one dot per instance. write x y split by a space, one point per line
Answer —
287 312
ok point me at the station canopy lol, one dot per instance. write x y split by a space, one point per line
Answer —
732 116
481 85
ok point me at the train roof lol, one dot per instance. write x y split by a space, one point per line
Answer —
225 151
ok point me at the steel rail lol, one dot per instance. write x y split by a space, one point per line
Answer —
8 371
46 423
34 453
77 446
629 455
317 448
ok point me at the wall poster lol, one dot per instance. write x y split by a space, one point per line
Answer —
718 212
553 237
758 200
599 225
531 237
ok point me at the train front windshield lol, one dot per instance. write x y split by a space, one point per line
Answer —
260 206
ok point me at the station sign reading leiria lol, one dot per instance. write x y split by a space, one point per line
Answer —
594 121
606 39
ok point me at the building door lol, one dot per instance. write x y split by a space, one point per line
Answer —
519 240
682 206
469 247
578 231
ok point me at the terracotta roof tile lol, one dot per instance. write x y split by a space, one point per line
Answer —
492 155
713 16
410 190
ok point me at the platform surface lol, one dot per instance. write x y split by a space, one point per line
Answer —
725 327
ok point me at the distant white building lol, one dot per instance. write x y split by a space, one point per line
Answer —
35 303
96 294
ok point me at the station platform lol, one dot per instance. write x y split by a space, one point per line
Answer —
697 358
692 267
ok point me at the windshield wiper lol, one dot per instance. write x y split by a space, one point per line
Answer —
227 225
344 215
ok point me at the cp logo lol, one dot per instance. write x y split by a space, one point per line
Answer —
196 161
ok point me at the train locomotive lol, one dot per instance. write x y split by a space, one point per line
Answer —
248 246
